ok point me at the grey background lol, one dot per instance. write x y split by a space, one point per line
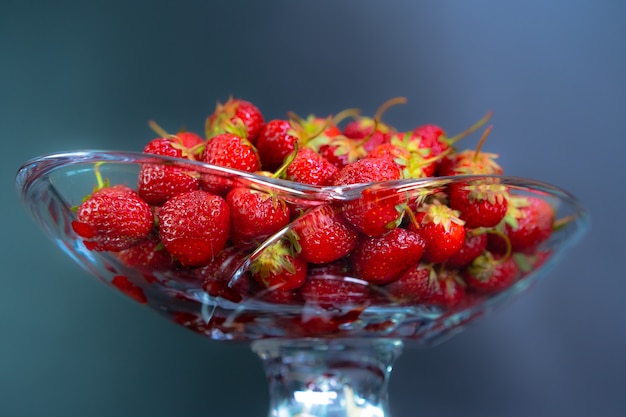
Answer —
90 74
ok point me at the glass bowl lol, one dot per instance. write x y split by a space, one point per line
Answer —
327 337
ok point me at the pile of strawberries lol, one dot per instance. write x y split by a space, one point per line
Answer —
437 245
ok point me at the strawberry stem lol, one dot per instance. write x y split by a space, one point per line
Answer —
507 241
280 172
471 129
158 129
387 104
483 138
99 180
344 114
562 222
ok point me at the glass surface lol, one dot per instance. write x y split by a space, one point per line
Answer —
327 355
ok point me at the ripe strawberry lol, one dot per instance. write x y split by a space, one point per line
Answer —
233 113
528 223
442 230
482 203
377 210
489 274
133 291
278 268
383 259
148 255
194 226
227 150
432 139
277 139
358 137
323 235
475 244
219 275
157 183
181 145
450 289
255 215
309 167
233 151
333 292
471 162
112 219
415 285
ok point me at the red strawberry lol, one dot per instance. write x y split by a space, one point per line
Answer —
482 203
376 211
233 113
358 138
278 268
123 284
148 255
442 230
219 273
194 226
230 150
383 259
416 285
277 139
255 215
309 167
471 162
450 289
432 139
323 236
333 292
489 274
475 244
227 150
112 219
159 182
528 223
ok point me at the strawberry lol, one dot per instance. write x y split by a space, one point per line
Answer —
157 183
323 235
219 272
442 230
377 211
481 203
277 139
113 218
194 226
528 223
233 151
475 244
235 112
450 290
255 215
488 274
147 255
227 150
131 290
383 259
357 138
277 267
333 292
309 167
471 162
415 285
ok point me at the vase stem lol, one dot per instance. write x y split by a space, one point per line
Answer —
328 378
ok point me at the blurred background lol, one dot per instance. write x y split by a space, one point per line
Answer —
77 75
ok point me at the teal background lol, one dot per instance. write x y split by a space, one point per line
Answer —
77 75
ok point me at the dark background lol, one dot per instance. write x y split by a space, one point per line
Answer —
77 74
